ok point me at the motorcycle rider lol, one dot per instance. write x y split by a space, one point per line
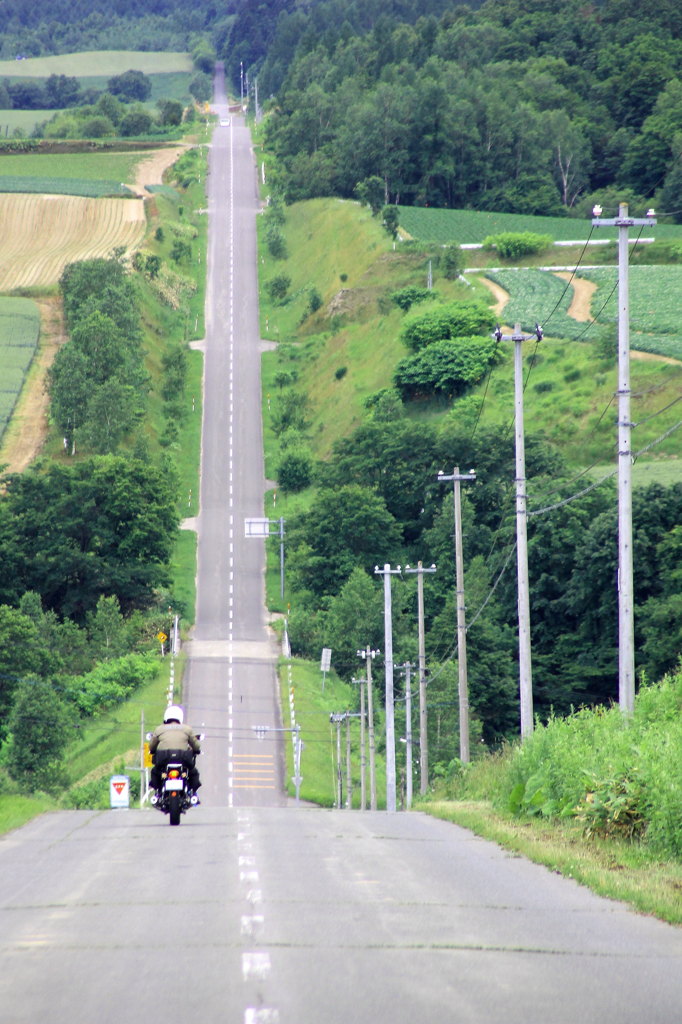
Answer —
174 741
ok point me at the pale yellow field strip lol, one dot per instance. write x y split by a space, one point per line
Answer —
41 234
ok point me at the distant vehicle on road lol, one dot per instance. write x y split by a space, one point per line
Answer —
224 122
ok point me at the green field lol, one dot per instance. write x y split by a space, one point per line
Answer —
96 63
63 186
107 166
538 296
19 331
654 300
470 227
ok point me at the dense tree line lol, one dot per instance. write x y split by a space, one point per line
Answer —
377 500
97 383
32 28
527 108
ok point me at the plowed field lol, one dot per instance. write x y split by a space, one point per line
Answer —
41 234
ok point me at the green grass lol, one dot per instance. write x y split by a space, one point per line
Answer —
64 186
19 330
96 63
313 705
16 811
95 167
466 227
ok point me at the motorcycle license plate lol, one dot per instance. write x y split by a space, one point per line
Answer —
173 783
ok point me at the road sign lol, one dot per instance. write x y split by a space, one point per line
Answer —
256 527
162 637
326 659
119 791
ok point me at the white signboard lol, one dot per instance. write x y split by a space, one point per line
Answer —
326 659
256 527
119 791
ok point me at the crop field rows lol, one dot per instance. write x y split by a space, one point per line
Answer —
467 227
539 296
19 332
42 234
63 186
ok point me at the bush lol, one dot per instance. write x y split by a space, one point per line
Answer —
406 297
110 682
444 369
454 320
452 262
295 470
511 245
278 287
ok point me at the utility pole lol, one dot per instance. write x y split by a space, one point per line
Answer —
525 671
387 572
423 722
336 719
363 766
457 478
368 655
626 629
349 774
408 735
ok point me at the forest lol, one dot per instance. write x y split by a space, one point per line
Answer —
417 92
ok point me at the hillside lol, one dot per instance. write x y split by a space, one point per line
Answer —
340 250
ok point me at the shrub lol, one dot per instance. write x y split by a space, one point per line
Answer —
512 245
454 320
452 262
278 287
295 470
444 369
406 297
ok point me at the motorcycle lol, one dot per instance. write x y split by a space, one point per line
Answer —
174 796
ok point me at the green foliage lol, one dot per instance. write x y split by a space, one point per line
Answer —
618 776
40 728
371 192
451 262
404 298
278 286
445 368
513 245
109 683
19 329
73 533
455 320
295 469
390 218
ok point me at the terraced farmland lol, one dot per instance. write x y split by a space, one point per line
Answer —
42 233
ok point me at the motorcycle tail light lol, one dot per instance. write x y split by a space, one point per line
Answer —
174 774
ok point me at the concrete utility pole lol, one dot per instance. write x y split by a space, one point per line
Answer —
408 736
368 655
626 629
336 719
387 572
525 671
423 721
363 788
458 477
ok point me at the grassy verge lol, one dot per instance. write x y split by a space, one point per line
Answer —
15 810
613 869
313 705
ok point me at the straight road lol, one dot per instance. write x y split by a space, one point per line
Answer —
254 911
230 680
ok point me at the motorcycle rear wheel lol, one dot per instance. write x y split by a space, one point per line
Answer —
174 808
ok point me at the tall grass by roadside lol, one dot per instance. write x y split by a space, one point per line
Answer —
618 776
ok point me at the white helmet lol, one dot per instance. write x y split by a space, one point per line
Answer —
174 713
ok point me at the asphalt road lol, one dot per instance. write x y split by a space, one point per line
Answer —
257 911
